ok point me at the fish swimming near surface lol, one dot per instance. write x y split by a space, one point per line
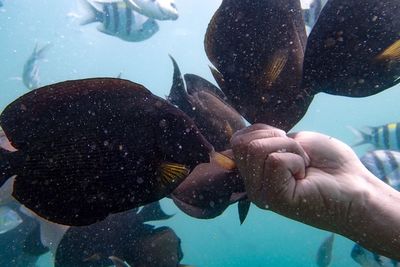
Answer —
9 219
270 71
156 9
384 164
123 238
381 137
120 20
368 259
206 105
30 74
324 254
97 146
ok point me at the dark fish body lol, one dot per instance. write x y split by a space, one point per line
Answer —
96 146
205 104
123 235
384 164
257 48
381 137
354 53
324 254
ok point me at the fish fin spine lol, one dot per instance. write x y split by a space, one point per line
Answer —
391 53
172 173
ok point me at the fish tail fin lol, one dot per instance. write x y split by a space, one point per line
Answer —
362 137
153 212
91 14
6 170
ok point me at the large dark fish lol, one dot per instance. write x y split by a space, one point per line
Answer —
257 48
206 105
125 236
88 148
354 53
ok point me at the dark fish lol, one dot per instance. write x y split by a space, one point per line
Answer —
354 53
257 48
206 105
208 191
96 146
125 236
324 254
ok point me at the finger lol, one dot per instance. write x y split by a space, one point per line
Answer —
256 127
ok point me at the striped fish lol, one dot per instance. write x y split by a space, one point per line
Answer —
120 20
384 164
381 137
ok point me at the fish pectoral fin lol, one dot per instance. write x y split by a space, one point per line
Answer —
223 161
173 172
275 67
118 262
391 53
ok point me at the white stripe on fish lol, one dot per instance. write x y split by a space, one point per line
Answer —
156 9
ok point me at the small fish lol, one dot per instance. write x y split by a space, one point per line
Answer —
126 235
381 137
312 11
354 54
120 20
368 259
206 105
102 146
30 74
1 4
258 59
324 254
156 9
384 164
9 219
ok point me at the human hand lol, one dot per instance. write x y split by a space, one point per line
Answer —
309 177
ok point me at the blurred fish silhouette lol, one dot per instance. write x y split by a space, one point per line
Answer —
9 219
120 20
368 259
97 146
381 137
324 254
258 49
206 105
30 74
125 238
156 9
118 262
312 11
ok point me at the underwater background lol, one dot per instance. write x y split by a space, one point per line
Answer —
265 239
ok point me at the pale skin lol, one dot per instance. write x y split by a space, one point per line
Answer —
318 180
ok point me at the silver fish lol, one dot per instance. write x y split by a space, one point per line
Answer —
324 254
368 259
384 164
120 20
381 137
156 9
30 74
9 219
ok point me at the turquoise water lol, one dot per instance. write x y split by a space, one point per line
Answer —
265 239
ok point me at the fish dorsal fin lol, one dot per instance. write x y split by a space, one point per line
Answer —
153 212
195 83
118 262
275 67
173 173
391 53
243 209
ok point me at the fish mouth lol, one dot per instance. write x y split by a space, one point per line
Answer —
168 14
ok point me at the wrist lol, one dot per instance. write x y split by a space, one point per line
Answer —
373 217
